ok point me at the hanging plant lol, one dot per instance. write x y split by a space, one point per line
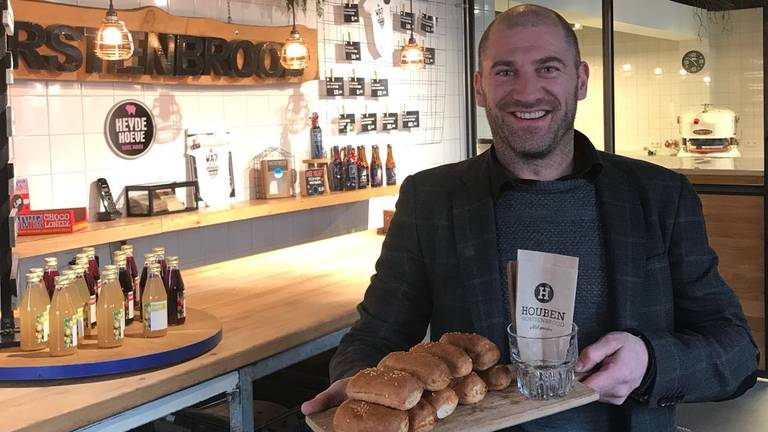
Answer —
290 4
711 15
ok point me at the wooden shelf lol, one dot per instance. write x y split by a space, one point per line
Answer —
128 228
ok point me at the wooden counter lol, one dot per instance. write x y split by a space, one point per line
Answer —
267 303
129 228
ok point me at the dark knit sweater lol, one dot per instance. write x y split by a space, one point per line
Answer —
561 217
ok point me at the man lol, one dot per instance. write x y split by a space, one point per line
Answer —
657 323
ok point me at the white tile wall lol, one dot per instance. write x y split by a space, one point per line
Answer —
59 143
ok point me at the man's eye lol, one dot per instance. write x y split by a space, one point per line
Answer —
549 69
504 72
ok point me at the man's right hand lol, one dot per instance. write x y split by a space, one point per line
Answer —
331 397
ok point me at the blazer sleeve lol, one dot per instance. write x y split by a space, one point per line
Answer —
397 306
710 355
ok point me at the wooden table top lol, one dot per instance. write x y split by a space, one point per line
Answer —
267 303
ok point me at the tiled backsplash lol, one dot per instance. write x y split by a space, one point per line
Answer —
59 143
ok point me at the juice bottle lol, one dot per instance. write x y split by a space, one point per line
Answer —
126 283
160 259
177 308
78 302
33 314
93 267
133 271
111 312
90 323
50 272
62 340
83 295
149 258
155 304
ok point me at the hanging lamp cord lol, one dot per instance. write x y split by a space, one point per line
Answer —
293 11
229 12
413 19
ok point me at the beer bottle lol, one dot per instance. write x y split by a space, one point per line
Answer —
33 314
362 168
337 170
391 177
316 137
377 176
350 170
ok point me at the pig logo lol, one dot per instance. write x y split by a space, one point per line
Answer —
131 109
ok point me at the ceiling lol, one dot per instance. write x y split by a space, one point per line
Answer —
721 5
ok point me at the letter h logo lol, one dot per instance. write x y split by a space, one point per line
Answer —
544 293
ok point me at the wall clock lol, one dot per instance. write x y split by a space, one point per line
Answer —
693 61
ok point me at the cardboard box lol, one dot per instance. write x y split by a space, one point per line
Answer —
55 221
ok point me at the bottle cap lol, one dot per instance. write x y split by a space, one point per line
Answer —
51 261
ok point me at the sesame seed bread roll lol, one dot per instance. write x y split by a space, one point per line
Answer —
430 370
497 377
455 358
470 389
422 417
483 352
444 401
356 416
391 388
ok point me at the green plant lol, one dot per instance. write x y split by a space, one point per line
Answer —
291 4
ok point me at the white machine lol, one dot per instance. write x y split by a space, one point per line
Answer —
709 132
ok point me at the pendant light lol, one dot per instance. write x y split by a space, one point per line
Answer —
295 53
412 57
113 40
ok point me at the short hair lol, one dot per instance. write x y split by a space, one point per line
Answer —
529 15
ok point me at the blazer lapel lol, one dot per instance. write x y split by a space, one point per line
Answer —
475 230
624 230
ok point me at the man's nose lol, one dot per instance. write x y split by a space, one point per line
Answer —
526 87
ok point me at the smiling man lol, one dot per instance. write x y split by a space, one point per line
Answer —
657 323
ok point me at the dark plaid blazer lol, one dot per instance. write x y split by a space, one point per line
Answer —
439 266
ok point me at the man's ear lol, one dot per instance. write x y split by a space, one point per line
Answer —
478 84
583 80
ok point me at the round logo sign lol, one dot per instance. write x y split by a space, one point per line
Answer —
130 129
544 293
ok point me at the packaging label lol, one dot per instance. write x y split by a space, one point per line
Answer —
156 316
70 331
40 327
118 324
47 323
80 322
129 305
92 306
181 305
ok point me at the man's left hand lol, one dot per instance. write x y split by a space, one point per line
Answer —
619 361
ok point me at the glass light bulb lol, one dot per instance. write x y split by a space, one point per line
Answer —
111 36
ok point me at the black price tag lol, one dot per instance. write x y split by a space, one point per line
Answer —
429 56
351 13
406 20
379 87
334 86
368 122
346 124
410 119
389 121
357 86
352 50
427 23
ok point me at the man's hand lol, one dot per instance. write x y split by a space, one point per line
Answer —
331 397
622 359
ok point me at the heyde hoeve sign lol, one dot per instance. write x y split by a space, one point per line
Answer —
130 129
56 41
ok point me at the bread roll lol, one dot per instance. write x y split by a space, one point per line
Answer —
444 401
355 416
430 370
497 377
391 388
483 352
422 417
456 358
470 389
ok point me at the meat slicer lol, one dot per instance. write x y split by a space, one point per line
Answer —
709 132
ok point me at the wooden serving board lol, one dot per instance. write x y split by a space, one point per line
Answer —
499 409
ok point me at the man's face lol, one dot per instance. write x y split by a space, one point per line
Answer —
529 85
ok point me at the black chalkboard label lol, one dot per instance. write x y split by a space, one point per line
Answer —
130 129
357 86
429 56
352 50
368 122
351 13
313 181
406 20
410 119
334 86
346 124
427 23
379 87
389 121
